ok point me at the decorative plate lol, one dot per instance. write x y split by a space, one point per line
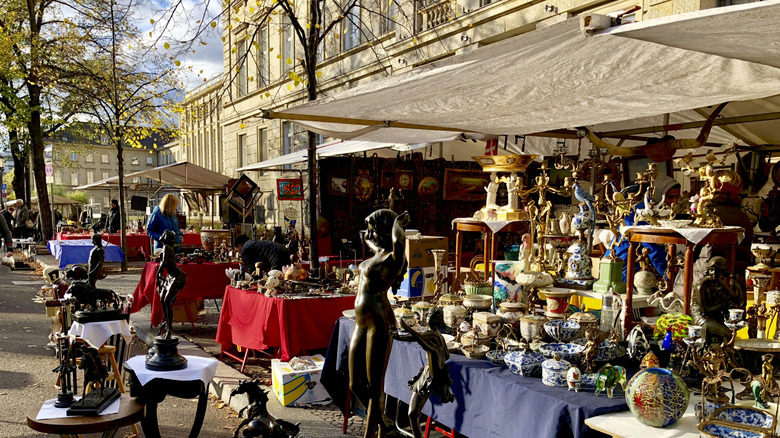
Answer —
428 189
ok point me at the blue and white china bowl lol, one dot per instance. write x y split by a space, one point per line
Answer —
495 357
719 430
710 408
567 351
524 364
562 331
606 352
554 372
745 416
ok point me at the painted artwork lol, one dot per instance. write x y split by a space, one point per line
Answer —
338 185
290 189
505 286
465 185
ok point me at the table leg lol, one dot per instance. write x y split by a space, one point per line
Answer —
671 268
458 257
149 422
488 251
492 254
200 413
109 433
688 278
628 315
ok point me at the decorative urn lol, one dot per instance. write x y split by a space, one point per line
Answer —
554 371
657 397
511 313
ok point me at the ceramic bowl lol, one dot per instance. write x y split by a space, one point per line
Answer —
562 331
607 351
566 351
495 357
710 408
453 347
475 351
524 364
720 430
744 416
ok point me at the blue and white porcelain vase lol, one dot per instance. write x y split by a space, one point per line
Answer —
582 221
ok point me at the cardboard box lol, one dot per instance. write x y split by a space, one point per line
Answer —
419 282
418 250
295 388
180 312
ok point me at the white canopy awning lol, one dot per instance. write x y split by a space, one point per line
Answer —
562 77
182 175
330 149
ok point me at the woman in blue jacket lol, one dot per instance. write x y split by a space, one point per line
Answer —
163 219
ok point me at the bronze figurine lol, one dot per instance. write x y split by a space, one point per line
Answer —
369 350
711 299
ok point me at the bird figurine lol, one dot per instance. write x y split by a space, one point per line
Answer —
583 195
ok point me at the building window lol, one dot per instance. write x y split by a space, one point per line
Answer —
137 180
149 161
351 28
262 144
106 201
74 157
243 158
243 80
390 15
88 158
104 158
58 177
288 45
134 161
263 64
293 139
90 177
74 178
105 174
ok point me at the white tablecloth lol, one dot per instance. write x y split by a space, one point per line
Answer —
49 412
198 368
693 234
495 226
97 333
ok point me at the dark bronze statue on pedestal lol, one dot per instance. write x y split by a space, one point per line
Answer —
95 374
93 304
164 356
369 350
711 299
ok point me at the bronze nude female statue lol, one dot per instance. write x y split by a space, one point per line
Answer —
369 350
169 286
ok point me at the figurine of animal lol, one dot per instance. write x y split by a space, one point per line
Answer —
95 371
608 377
258 422
92 298
638 346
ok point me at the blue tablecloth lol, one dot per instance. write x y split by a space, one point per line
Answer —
489 401
69 252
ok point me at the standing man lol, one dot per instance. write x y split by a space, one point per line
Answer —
5 234
21 219
114 218
8 215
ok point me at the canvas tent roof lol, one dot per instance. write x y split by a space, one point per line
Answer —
330 149
564 77
184 175
57 200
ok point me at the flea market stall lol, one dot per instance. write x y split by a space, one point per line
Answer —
634 157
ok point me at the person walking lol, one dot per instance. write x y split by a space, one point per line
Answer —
163 219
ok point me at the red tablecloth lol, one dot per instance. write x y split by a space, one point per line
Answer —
191 239
139 242
252 320
204 280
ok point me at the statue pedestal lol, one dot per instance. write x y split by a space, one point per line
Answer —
99 315
164 356
92 404
610 275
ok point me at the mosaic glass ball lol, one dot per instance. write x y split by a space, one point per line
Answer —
657 397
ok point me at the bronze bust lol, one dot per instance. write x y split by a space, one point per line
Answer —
711 299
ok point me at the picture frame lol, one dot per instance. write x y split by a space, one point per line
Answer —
634 165
388 179
428 189
338 185
244 188
289 189
465 185
404 179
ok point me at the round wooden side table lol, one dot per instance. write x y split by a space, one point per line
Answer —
130 412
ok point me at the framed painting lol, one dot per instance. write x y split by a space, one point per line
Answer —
244 188
338 185
404 179
388 179
289 189
465 185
